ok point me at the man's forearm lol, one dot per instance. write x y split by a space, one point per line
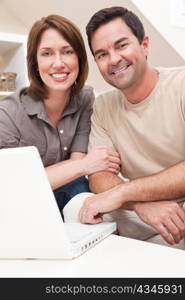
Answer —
165 185
102 181
135 195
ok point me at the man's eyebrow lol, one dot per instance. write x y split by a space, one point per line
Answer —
98 52
120 40
115 43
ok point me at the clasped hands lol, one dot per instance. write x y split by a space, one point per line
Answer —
166 217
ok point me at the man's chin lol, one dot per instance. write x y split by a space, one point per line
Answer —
118 85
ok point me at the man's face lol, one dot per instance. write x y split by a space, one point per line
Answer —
118 54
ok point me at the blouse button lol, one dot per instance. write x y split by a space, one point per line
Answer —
61 131
65 148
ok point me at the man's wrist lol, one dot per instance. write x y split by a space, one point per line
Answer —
130 205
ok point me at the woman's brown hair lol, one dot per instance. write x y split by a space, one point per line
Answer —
72 35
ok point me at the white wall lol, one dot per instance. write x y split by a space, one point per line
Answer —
159 15
17 16
9 22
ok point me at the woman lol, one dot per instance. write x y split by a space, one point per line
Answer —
53 113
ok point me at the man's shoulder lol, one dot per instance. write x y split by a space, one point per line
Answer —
172 71
108 97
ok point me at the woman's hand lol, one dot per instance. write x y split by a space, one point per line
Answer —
101 158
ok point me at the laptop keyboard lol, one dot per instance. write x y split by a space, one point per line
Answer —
77 232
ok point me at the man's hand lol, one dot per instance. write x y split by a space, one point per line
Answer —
167 217
94 207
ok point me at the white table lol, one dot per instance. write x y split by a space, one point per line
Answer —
115 256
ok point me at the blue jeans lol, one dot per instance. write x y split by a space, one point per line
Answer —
64 193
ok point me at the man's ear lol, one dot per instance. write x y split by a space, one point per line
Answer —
145 45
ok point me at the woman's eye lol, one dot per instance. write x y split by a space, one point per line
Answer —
45 53
68 52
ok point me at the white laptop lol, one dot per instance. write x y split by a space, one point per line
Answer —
31 225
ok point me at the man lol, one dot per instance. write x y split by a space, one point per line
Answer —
144 120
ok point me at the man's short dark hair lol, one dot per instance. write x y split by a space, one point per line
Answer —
106 15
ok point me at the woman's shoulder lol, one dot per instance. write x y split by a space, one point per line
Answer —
87 90
12 100
86 95
12 105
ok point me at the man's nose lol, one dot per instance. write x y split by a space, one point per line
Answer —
114 58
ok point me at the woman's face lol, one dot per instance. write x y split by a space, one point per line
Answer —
57 62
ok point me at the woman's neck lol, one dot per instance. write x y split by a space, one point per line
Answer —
55 105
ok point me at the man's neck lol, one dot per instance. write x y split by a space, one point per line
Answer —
143 87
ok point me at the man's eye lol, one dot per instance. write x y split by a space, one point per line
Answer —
122 46
100 56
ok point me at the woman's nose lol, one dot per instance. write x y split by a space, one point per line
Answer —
58 61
